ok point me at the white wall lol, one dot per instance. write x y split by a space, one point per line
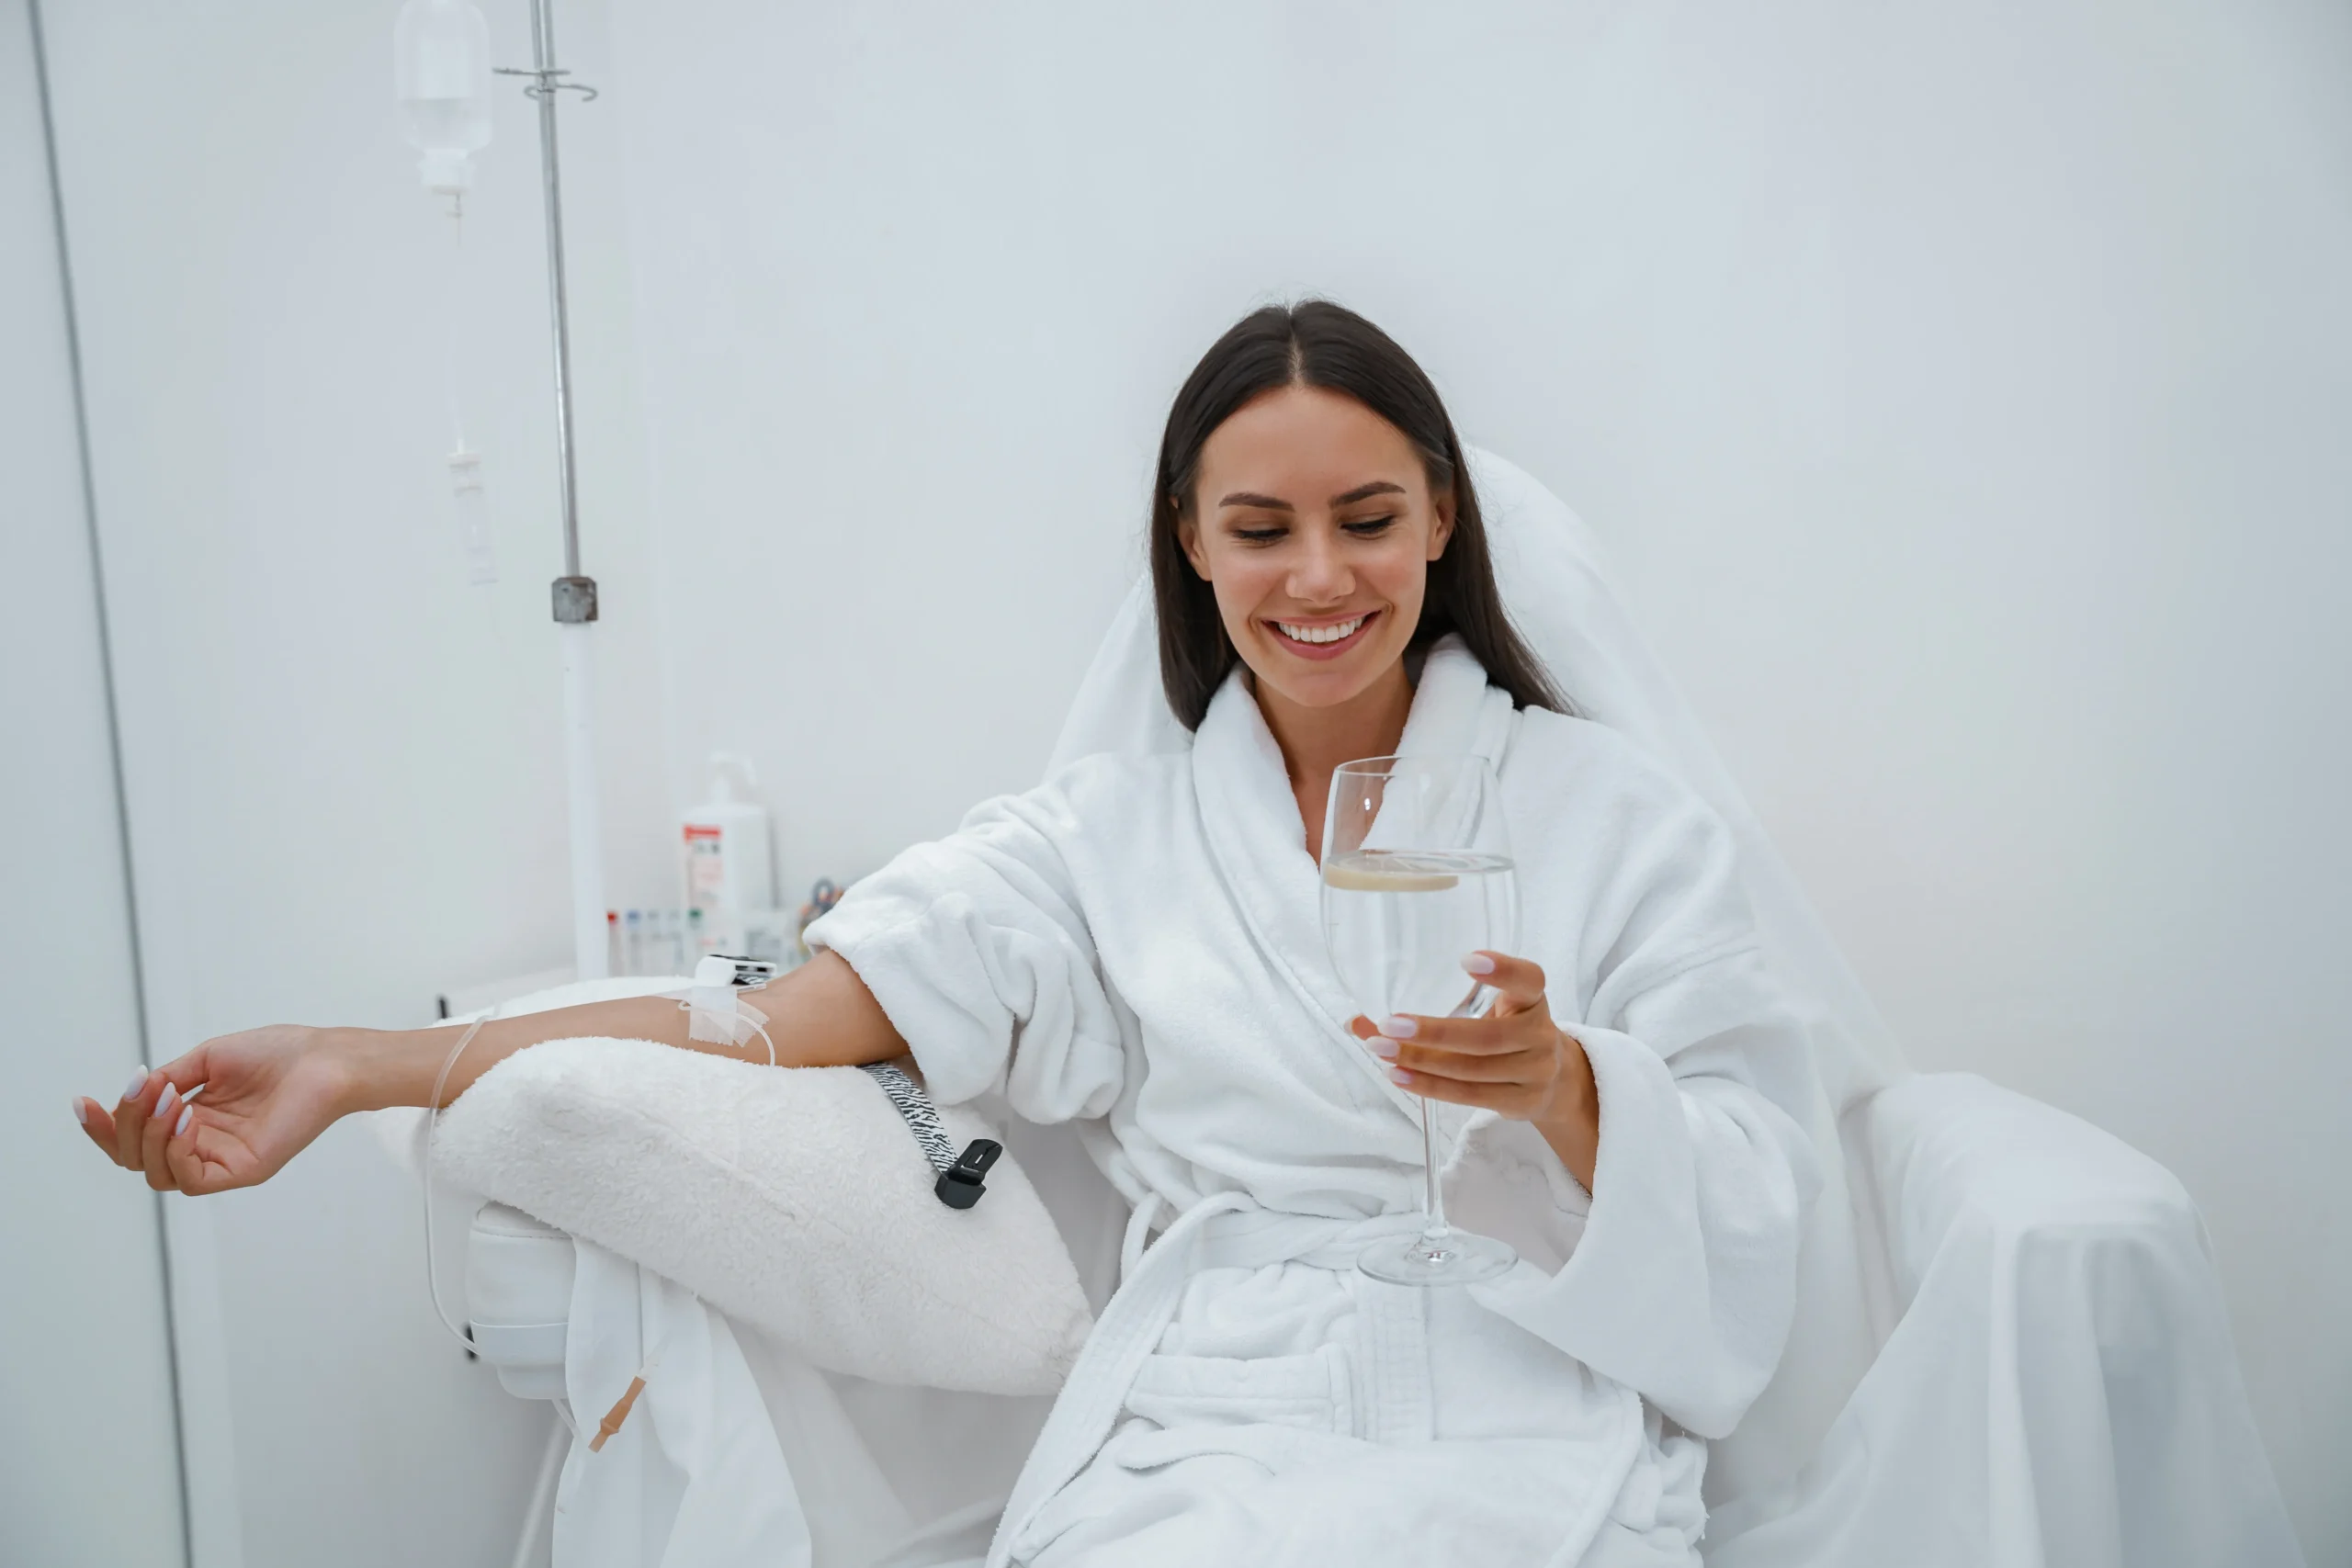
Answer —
89 1471
1956 384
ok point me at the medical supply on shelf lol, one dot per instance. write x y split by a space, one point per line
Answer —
730 867
773 935
671 942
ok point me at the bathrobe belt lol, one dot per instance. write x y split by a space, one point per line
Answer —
1226 1230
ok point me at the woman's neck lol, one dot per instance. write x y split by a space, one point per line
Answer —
1315 741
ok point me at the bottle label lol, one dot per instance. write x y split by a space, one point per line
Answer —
705 865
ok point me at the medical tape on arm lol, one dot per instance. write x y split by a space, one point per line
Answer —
715 1013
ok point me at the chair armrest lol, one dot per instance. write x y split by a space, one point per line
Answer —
1949 1154
2060 1385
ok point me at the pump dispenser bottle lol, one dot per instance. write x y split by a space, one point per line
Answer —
729 865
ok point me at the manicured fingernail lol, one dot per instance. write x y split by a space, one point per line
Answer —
186 1117
1385 1049
1398 1075
138 1082
164 1102
1400 1027
1479 963
81 1111
190 1098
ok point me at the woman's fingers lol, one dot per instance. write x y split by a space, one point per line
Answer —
130 1118
191 1172
1521 1064
1475 1036
155 1135
1518 981
1520 1014
1506 1060
98 1122
186 1167
191 1069
1471 1036
1511 1098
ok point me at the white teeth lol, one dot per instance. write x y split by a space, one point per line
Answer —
1320 634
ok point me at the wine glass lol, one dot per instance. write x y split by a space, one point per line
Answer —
1416 876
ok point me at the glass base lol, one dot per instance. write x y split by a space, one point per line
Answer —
1437 1258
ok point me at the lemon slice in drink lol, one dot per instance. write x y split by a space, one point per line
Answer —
1388 870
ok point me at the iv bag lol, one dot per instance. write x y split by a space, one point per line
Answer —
441 66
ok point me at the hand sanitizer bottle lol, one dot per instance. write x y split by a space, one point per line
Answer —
729 870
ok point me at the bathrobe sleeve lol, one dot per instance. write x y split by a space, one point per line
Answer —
1683 1281
979 950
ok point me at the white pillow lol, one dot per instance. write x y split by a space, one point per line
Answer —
793 1200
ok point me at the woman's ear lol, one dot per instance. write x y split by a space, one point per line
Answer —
1188 535
1442 528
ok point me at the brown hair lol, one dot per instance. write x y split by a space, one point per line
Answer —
1317 343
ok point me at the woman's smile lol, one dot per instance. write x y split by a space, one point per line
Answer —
1321 636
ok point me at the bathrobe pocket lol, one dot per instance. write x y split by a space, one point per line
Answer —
1308 1393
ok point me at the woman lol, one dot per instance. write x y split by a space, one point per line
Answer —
1137 943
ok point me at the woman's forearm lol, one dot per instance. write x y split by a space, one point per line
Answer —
820 1015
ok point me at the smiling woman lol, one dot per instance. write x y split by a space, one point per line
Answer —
1313 509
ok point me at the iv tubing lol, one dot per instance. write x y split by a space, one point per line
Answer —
432 1122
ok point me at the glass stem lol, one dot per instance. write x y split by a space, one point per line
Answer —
1433 1223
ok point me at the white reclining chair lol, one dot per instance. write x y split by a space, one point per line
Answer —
2011 1346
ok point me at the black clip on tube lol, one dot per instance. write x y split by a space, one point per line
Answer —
960 1185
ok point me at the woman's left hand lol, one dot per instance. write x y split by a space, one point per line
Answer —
1514 1061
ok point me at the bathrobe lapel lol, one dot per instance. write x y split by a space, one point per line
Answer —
1250 818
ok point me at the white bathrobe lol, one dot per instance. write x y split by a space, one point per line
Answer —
1137 943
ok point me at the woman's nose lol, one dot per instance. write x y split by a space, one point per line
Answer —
1319 576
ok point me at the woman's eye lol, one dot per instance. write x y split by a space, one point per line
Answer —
1368 528
1258 536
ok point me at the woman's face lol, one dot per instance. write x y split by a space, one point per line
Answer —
1312 518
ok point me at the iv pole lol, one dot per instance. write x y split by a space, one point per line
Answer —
575 594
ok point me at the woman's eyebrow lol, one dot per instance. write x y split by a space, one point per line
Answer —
1252 497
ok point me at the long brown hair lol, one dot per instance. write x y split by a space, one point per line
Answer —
1317 343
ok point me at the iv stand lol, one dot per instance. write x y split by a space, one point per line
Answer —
575 594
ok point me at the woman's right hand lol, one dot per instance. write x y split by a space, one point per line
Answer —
267 1093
